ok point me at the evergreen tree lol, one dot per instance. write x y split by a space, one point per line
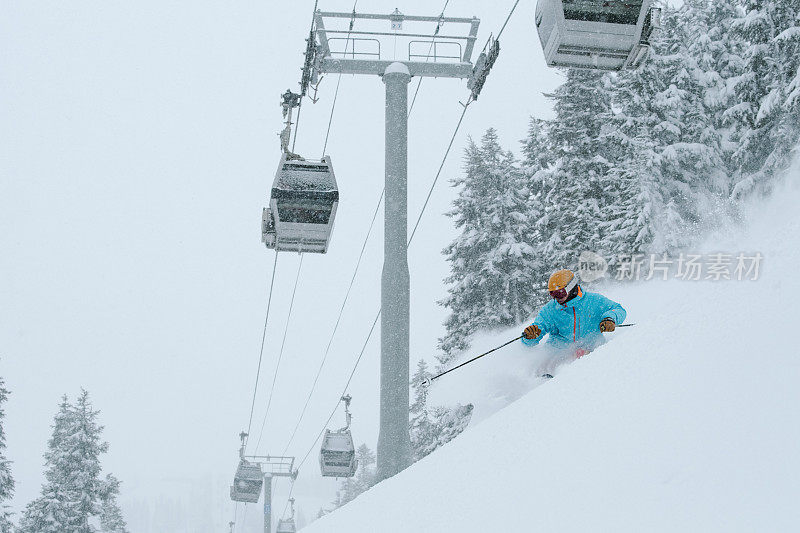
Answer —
717 53
74 497
84 448
6 479
365 478
54 510
111 519
489 278
636 162
570 191
767 116
420 424
669 180
431 427
538 158
536 149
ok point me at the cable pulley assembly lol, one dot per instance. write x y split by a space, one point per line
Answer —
483 65
289 101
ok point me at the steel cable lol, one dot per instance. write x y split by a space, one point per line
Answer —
413 233
263 340
280 353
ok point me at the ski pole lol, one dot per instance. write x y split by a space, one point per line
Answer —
429 380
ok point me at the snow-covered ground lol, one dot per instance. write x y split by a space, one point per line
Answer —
686 422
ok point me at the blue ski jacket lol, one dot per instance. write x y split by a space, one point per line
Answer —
576 324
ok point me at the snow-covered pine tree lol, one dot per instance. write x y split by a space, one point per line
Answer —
536 149
668 179
717 52
84 447
767 115
568 193
73 492
6 479
538 157
419 421
111 519
489 280
351 488
431 427
366 476
54 510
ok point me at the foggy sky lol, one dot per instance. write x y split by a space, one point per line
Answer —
138 142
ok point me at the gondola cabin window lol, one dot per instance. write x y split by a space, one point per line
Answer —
613 12
305 212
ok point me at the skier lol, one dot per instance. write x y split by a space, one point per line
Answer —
575 320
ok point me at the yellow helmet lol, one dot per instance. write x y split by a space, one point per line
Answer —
561 283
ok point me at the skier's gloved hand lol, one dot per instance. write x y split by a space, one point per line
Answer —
532 332
607 325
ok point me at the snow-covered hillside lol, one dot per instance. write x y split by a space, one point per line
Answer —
686 422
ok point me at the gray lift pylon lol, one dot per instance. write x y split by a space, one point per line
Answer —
271 466
394 443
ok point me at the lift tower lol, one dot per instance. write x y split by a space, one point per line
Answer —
255 471
346 51
273 467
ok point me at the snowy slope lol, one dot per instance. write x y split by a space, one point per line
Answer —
687 422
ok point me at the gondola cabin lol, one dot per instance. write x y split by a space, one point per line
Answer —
247 482
596 34
337 457
286 526
302 206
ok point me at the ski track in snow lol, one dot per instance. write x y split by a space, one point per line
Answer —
686 422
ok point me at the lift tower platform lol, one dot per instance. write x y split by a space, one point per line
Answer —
346 50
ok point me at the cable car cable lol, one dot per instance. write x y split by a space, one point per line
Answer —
369 335
438 173
285 507
349 379
280 353
336 325
413 233
502 29
377 317
263 340
377 208
297 124
430 49
339 80
453 138
300 107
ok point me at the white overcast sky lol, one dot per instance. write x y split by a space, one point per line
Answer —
138 141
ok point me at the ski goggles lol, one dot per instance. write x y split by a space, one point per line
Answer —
559 294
